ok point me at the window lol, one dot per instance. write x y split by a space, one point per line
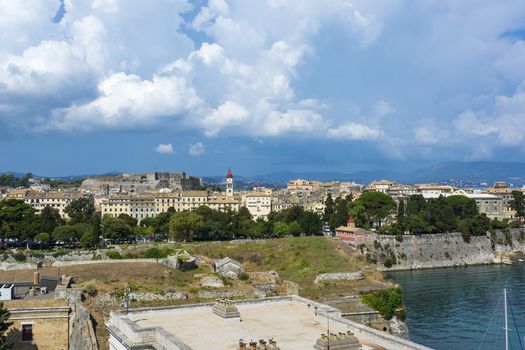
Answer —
27 332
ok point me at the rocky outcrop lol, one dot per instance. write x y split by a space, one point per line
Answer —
211 282
340 276
399 328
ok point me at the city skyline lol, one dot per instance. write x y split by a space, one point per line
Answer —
260 87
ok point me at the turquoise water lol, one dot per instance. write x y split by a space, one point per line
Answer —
462 308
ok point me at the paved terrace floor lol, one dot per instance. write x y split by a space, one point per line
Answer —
292 325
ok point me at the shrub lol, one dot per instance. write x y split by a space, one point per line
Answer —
112 254
60 253
90 290
42 237
386 301
155 253
243 276
20 257
37 255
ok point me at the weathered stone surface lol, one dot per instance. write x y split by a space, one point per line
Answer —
106 300
211 282
265 290
264 277
340 276
16 266
215 294
431 250
81 328
157 296
399 328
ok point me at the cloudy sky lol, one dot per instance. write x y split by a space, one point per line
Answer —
259 85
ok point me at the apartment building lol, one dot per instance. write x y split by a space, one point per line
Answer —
180 200
38 200
502 190
259 204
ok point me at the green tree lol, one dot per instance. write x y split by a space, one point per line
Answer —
329 207
294 228
311 223
80 210
377 207
116 228
89 239
280 228
49 219
42 237
260 228
17 219
4 326
462 206
96 228
184 225
401 218
416 205
518 203
131 222
67 232
340 215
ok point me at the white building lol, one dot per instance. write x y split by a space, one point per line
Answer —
259 204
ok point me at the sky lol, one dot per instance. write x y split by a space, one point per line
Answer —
89 87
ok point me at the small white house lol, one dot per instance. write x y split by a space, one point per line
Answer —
7 291
227 267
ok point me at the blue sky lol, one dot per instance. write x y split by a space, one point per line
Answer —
260 86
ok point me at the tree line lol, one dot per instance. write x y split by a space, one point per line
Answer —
417 215
85 226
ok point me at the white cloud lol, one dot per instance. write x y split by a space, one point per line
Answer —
196 149
469 123
227 114
127 101
355 131
382 109
507 121
165 148
430 135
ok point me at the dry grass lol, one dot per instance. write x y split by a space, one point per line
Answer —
298 259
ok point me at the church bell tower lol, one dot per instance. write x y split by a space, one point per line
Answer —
229 183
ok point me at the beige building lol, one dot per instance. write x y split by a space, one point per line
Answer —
380 186
224 202
39 324
502 190
144 206
38 200
180 200
300 184
434 189
259 204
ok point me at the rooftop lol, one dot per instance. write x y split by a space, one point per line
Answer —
293 322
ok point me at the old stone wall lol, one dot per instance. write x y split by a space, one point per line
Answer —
430 251
443 249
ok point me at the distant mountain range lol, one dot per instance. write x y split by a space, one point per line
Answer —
448 172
